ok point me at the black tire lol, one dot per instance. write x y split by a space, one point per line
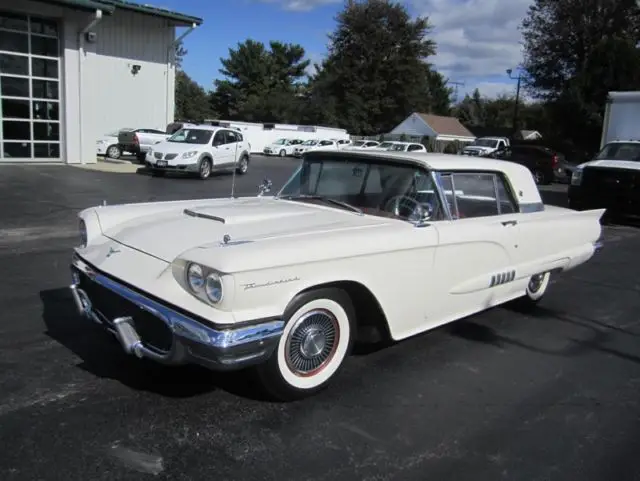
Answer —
282 153
204 168
316 314
539 177
243 165
141 156
113 152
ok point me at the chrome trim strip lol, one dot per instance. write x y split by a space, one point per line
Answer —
228 348
529 207
435 176
203 216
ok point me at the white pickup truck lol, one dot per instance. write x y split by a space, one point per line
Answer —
483 146
139 141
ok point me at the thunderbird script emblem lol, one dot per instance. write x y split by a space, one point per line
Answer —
112 251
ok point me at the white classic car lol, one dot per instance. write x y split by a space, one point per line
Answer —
200 151
354 243
311 145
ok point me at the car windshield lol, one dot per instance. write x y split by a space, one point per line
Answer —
380 188
280 142
191 136
399 147
485 143
358 143
620 151
386 145
310 142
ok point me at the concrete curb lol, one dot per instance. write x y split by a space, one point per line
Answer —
116 161
119 168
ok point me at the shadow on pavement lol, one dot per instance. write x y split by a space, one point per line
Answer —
102 356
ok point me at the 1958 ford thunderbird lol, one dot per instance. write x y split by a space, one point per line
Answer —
354 244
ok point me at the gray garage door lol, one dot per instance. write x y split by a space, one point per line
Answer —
29 88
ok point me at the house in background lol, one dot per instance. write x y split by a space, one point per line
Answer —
440 130
72 70
529 135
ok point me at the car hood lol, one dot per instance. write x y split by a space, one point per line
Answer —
477 148
175 147
250 225
108 139
612 164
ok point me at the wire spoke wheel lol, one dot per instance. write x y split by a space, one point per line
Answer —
312 342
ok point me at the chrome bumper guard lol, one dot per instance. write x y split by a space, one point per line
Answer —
193 342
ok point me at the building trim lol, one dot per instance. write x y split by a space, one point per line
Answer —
87 5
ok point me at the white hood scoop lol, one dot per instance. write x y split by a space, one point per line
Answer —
246 212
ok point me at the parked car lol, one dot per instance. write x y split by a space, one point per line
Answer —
407 147
385 145
311 145
363 144
139 141
483 146
200 151
610 181
282 147
107 145
343 143
541 161
354 243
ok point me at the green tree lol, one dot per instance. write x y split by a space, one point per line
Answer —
376 73
576 51
192 102
261 84
180 53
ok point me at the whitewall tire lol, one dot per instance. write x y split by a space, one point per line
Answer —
535 291
316 340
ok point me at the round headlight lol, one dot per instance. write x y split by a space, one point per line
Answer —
83 233
213 287
195 277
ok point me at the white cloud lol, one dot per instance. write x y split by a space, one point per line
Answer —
476 39
301 5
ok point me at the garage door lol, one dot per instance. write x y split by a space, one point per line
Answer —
29 88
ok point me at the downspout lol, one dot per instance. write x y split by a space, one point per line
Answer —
171 48
81 54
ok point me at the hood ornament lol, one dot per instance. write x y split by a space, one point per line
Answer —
264 187
226 239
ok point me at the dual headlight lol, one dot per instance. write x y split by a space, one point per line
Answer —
204 282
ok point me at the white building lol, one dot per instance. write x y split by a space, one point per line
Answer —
72 70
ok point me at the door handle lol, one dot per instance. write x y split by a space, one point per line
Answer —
509 222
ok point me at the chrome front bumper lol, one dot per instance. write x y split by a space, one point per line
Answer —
190 341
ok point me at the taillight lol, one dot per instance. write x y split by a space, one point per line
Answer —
554 160
135 139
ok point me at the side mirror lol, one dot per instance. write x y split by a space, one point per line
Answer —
264 187
422 214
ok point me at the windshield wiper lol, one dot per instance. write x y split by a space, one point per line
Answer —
328 200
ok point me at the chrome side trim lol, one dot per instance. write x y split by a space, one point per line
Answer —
502 278
203 216
529 207
193 341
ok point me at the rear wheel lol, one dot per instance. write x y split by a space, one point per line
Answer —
317 338
536 289
141 156
243 166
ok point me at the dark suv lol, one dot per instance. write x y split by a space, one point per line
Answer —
543 162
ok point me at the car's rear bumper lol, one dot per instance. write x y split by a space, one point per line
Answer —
150 328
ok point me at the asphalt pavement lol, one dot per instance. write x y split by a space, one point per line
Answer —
549 395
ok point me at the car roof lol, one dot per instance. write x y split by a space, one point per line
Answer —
518 175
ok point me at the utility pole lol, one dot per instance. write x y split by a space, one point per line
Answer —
515 108
455 89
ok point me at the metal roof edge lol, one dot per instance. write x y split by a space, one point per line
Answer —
179 18
88 5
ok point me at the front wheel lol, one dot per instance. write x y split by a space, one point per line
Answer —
283 153
316 340
204 169
243 166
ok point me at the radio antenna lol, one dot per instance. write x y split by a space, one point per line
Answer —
235 167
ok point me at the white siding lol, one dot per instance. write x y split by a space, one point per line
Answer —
414 126
118 97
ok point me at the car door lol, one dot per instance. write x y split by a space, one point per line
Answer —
232 143
477 252
220 151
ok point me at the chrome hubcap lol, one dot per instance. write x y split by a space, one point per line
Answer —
535 283
243 165
113 152
312 342
205 169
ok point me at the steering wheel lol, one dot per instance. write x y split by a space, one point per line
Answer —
396 204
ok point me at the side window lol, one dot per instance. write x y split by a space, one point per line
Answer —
231 137
326 142
414 147
239 137
371 144
219 138
474 195
505 198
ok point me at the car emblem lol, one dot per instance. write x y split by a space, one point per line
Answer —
111 252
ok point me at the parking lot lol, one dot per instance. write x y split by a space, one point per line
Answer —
549 395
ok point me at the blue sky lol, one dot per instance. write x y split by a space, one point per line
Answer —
470 47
